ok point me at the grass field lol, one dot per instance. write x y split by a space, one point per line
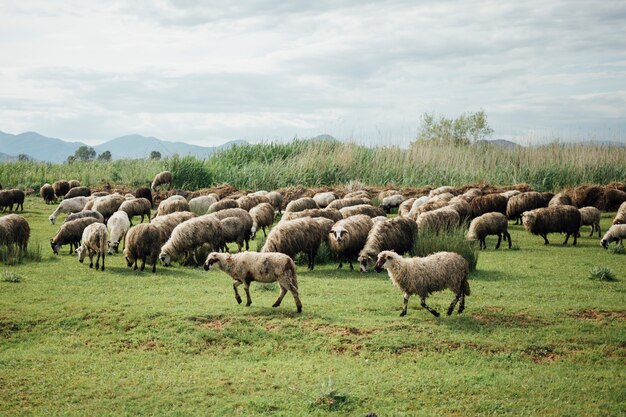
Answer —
538 337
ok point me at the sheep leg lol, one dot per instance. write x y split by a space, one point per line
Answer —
499 240
508 237
296 297
237 296
311 259
154 266
98 262
482 244
247 244
351 267
103 254
341 263
598 227
431 310
279 300
248 299
575 239
406 304
453 304
593 229
143 264
545 239
462 304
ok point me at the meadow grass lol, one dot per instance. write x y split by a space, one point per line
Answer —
537 338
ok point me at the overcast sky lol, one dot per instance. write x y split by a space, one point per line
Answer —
206 72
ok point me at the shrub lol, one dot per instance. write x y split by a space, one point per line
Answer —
452 240
618 249
329 397
13 256
602 273
10 276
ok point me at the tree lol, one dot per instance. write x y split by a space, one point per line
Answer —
84 153
23 157
156 155
105 156
465 129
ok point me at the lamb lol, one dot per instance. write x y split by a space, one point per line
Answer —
590 216
233 230
423 276
47 193
78 192
276 200
244 217
620 216
247 202
299 235
262 267
61 188
70 205
560 199
85 213
144 193
14 230
200 205
301 204
362 209
555 219
73 183
520 203
438 220
487 204
396 234
143 242
348 237
442 190
262 217
190 236
108 205
391 201
616 233
162 178
329 213
405 207
223 204
171 205
70 233
166 224
347 202
136 207
489 224
93 242
119 225
324 199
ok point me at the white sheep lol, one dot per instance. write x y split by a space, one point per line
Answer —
118 225
324 199
93 242
590 216
191 235
493 223
262 217
392 201
246 267
423 276
71 205
616 233
200 205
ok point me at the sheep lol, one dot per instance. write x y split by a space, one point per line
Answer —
61 188
162 178
620 216
100 194
233 230
47 193
166 224
70 205
348 236
555 219
14 230
200 205
396 234
520 203
226 203
425 275
70 233
405 207
462 207
510 193
190 236
108 205
616 233
136 207
299 235
471 194
442 190
73 183
170 205
144 193
244 217
247 202
260 192
301 204
142 242
613 199
262 217
442 197
262 267
487 204
560 199
347 202
78 192
423 208
276 200
7 200
438 220
590 216
129 196
85 213
14 196
324 199
358 194
93 242
118 225
489 224
329 213
391 201
362 209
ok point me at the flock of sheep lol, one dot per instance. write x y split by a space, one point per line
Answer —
355 229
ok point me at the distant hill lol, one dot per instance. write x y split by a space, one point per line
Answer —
7 158
37 146
502 143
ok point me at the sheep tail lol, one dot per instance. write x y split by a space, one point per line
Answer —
465 287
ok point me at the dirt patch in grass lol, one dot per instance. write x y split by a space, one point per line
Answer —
334 330
145 345
598 315
541 354
213 323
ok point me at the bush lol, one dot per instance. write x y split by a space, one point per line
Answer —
602 273
452 240
330 398
13 256
617 250
10 276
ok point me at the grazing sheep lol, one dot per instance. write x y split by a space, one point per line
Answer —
70 205
171 205
488 204
223 204
61 188
165 224
489 224
620 216
520 203
438 220
300 204
396 234
244 217
362 209
14 230
162 178
348 237
85 213
442 190
247 202
329 213
145 193
586 195
78 192
391 202
189 236
136 207
262 217
347 202
613 199
108 205
324 199
93 242
430 205
616 233
74 183
70 233
423 276
510 193
405 207
276 200
358 194
555 219
233 230
299 235
560 199
200 205
442 197
590 216
462 207
142 242
119 225
262 267
47 193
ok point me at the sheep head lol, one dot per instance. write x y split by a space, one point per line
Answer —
81 252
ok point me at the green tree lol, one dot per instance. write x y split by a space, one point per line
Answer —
105 156
84 153
23 157
465 129
156 155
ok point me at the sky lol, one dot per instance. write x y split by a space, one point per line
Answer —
206 72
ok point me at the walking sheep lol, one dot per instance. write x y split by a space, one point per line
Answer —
246 267
93 242
489 224
301 204
14 230
362 209
143 242
118 225
47 193
70 205
555 219
620 216
396 234
423 276
262 217
136 207
616 233
70 233
191 235
590 216
162 178
348 237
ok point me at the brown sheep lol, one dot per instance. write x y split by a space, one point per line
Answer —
488 204
73 183
405 207
78 192
14 230
47 193
560 199
162 178
166 223
348 237
362 209
144 192
136 207
262 217
108 205
276 200
70 233
143 242
328 213
396 234
170 206
243 217
613 199
301 204
247 202
530 200
555 219
223 204
61 188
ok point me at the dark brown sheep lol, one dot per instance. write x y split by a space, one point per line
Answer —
70 233
555 219
489 203
145 193
61 188
78 192
47 193
520 203
14 230
143 242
